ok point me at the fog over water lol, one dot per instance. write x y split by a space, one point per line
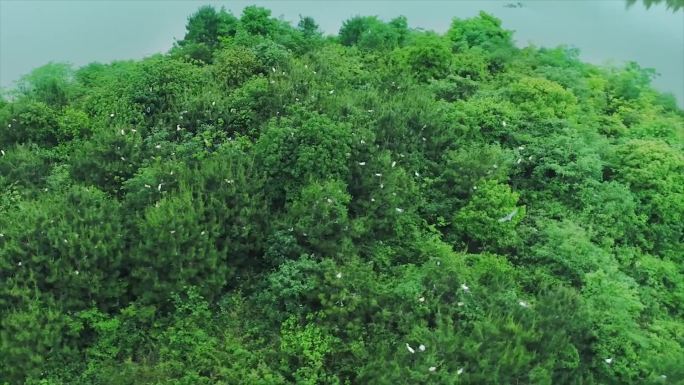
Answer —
33 33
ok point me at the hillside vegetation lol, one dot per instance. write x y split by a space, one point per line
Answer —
266 205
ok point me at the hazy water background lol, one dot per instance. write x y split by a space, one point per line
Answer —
33 33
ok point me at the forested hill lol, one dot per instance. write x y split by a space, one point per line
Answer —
266 205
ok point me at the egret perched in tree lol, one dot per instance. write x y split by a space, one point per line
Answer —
509 216
159 187
399 210
421 299
432 368
338 275
394 163
465 287
362 163
609 360
410 349
421 347
459 371
523 304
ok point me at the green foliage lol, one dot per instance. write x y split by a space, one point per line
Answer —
266 205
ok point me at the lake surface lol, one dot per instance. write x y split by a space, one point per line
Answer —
33 33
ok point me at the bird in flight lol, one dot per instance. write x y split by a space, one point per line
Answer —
509 216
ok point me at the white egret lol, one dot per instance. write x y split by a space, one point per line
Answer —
410 349
609 360
378 174
421 299
459 371
432 368
465 287
111 115
399 210
509 216
331 92
460 303
3 152
159 186
523 304
518 161
394 163
503 123
421 347
338 275
362 163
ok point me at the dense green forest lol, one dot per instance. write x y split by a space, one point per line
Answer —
267 205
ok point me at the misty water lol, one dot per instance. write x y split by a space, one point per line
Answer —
33 33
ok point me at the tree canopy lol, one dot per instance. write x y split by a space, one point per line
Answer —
266 205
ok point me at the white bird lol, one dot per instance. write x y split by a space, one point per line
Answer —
370 111
503 123
273 69
123 159
3 152
421 347
382 185
459 371
363 141
421 299
424 139
523 304
609 360
122 132
331 92
465 287
229 181
157 146
509 216
19 264
432 368
338 275
378 174
372 199
9 125
111 115
173 231
519 160
460 304
213 103
203 232
521 147
178 127
330 200
417 174
159 187
410 349
529 157
394 163
399 210
76 272
362 163
134 130
474 187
